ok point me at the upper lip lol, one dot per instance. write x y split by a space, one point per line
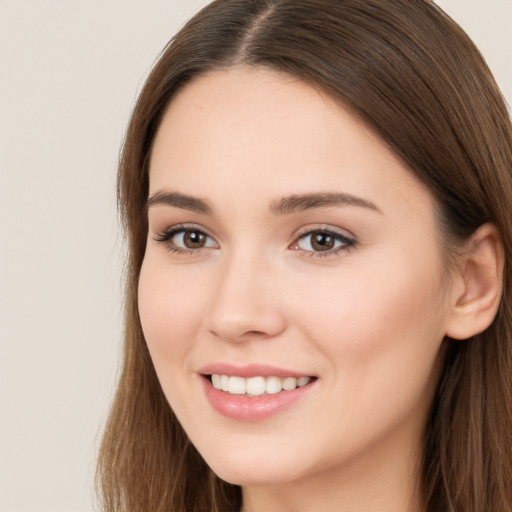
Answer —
250 370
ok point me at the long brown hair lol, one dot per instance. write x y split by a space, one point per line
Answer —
417 80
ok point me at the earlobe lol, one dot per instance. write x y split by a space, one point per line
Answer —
480 273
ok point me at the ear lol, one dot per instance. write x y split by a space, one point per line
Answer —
479 284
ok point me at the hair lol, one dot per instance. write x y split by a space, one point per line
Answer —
416 79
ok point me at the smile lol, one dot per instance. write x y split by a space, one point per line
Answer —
256 386
257 396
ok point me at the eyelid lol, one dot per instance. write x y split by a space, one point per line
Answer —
325 228
348 240
165 236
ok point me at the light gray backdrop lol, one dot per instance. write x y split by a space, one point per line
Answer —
69 73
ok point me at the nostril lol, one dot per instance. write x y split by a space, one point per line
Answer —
231 333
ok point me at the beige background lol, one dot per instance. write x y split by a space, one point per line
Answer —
69 73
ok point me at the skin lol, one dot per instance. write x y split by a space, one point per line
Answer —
367 319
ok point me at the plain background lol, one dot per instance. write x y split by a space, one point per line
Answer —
69 74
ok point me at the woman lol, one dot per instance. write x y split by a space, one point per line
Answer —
317 199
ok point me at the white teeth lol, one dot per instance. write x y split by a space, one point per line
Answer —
273 385
289 383
216 381
302 381
256 386
237 385
224 382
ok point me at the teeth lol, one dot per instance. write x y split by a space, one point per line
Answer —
216 381
289 383
224 383
237 386
273 385
302 381
256 386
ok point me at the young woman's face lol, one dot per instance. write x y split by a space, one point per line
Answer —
293 257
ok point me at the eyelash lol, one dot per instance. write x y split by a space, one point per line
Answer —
346 243
166 236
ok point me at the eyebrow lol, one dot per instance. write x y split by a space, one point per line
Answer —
284 206
178 200
300 203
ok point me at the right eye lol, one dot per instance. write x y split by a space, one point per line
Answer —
185 239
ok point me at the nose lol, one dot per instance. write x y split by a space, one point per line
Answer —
246 304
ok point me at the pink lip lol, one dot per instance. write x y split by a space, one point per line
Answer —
247 408
250 370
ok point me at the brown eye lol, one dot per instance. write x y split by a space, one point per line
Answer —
322 242
194 239
186 239
325 241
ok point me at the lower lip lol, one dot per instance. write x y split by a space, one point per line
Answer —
252 408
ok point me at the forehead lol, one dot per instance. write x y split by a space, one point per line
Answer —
256 130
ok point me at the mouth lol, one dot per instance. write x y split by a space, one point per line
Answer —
254 392
256 386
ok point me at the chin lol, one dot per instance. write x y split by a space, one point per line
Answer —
250 476
241 469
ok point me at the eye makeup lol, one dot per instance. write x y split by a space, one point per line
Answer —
314 243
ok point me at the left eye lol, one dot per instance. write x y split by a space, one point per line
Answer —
322 241
191 239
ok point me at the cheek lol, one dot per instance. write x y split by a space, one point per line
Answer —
360 308
169 308
378 329
380 337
